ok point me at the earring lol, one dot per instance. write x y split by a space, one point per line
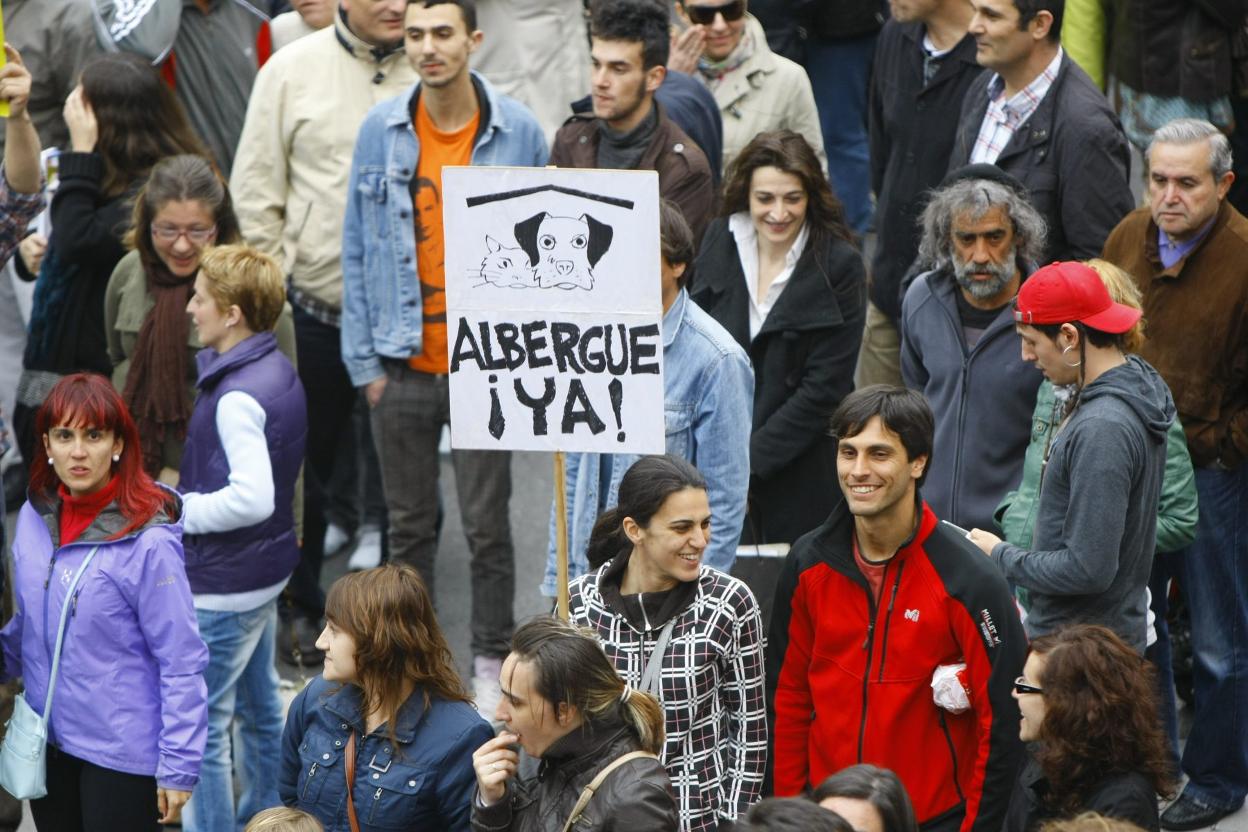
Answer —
1070 347
49 460
116 457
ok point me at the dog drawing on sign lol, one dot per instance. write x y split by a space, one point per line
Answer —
507 268
563 250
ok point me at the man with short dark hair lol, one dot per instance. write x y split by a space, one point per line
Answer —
1188 252
1037 116
875 610
628 130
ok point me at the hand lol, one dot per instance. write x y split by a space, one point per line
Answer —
170 802
984 540
374 390
686 50
83 129
14 83
495 763
32 250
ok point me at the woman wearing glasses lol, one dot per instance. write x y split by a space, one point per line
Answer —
1089 713
183 208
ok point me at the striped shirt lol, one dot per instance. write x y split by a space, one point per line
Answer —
1005 116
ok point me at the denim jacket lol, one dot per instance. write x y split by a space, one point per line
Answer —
708 404
427 782
381 304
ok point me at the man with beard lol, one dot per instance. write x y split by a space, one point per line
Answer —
981 238
628 129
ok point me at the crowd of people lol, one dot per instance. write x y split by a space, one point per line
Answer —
918 340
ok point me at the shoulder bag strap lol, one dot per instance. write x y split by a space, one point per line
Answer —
587 793
60 633
652 676
350 772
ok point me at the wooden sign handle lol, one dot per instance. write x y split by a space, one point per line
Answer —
561 534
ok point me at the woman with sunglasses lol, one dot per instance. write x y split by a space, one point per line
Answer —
183 208
1089 710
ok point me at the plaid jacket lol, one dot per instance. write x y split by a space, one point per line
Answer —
712 681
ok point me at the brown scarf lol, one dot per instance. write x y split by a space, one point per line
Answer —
156 384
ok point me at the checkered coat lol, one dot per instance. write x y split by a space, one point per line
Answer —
712 682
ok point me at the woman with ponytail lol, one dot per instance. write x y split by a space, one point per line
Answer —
597 738
690 635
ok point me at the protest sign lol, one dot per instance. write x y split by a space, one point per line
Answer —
554 309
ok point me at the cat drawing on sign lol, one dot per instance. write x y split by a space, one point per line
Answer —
506 268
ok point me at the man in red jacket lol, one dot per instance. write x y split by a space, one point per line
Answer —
869 607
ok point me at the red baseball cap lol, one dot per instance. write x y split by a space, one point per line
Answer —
1068 292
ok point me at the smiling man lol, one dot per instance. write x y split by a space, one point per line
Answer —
1039 117
981 238
1188 252
868 607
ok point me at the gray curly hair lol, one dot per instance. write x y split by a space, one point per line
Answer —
975 197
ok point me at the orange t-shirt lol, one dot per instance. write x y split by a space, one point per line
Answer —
437 150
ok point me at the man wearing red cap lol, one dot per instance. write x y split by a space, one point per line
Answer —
1097 518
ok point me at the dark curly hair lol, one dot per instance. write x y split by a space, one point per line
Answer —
1101 715
634 20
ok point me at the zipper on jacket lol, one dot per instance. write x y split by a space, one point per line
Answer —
888 616
307 783
953 754
866 672
372 812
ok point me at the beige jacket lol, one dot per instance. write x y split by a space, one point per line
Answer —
767 92
289 181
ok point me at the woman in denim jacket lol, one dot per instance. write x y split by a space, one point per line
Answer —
389 708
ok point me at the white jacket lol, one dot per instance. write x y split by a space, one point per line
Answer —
289 181
767 92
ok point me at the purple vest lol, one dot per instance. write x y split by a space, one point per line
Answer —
261 555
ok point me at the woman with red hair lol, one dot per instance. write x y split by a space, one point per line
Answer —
128 723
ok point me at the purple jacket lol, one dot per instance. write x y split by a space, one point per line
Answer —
130 695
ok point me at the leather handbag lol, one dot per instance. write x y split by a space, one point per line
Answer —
349 770
23 755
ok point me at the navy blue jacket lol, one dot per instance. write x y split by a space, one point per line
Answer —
426 782
265 553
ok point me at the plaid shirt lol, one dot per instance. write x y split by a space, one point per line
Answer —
713 697
17 211
1005 116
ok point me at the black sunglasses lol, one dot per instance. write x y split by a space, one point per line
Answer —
705 15
1021 687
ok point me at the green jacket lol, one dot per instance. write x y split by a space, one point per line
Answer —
1176 509
1083 37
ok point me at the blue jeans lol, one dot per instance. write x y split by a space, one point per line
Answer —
1165 566
1215 571
241 681
840 71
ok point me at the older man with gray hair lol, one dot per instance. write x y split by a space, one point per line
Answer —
981 238
1188 252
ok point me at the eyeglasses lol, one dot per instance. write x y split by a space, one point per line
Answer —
197 236
1021 687
705 15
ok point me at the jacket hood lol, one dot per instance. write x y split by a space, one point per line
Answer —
110 521
645 611
213 365
1141 388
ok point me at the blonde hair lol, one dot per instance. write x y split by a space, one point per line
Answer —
1090 822
284 819
241 276
1122 289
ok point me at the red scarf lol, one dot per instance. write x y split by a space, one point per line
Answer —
79 512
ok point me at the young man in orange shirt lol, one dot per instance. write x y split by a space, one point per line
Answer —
394 340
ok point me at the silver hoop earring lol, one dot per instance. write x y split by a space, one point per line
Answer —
1070 347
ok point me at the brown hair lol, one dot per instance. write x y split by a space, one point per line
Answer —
241 276
182 178
389 615
140 119
570 666
1090 822
284 819
1100 715
791 153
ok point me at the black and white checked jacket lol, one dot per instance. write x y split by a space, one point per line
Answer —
713 696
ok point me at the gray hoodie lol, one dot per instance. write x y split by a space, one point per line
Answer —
1097 519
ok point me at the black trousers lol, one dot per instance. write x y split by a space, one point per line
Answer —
84 797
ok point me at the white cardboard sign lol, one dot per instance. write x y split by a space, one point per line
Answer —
554 309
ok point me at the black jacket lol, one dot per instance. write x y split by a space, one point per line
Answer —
912 130
635 796
1128 797
1072 156
803 359
1173 49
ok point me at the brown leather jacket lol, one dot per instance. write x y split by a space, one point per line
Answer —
684 174
1196 323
